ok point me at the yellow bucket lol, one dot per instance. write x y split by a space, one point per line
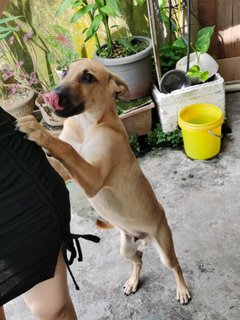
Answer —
201 126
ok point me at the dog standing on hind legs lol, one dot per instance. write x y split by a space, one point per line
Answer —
94 149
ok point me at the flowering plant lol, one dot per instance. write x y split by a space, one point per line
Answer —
18 74
61 43
15 80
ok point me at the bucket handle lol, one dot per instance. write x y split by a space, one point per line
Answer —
215 135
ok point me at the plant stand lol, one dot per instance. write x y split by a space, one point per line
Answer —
138 120
169 105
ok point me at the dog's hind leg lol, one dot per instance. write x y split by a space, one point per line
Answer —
129 251
164 244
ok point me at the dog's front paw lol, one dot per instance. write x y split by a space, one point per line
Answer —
34 131
183 295
130 285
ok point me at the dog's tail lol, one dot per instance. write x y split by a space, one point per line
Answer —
103 224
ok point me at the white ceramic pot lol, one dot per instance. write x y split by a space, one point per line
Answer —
48 113
58 73
135 70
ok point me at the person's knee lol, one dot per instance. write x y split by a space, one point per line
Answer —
2 314
52 310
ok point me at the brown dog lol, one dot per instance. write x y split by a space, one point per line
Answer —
95 151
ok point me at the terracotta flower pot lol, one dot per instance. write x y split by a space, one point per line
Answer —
138 121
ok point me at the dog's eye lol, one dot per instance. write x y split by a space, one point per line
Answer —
64 72
88 78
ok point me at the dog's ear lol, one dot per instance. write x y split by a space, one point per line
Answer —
118 85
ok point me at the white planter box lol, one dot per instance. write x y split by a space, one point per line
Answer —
170 104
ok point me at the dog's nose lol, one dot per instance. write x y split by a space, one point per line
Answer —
61 91
58 90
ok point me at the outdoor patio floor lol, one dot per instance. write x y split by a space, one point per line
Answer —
202 204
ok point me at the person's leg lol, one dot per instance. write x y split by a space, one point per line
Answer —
50 299
2 314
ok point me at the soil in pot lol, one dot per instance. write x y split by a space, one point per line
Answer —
134 69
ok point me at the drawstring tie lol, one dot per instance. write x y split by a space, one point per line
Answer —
68 245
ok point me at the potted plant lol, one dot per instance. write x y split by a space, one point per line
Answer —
20 81
128 56
201 65
16 92
206 86
136 115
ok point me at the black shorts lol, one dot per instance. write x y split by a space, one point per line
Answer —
34 213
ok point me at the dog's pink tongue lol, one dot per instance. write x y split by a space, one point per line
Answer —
52 99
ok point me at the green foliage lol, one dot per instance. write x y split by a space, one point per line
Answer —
18 70
158 138
5 29
140 2
164 15
202 45
171 53
203 40
154 139
123 47
174 50
61 43
100 12
134 144
195 72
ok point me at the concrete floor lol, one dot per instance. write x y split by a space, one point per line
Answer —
201 199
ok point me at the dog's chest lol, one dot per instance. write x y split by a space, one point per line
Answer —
107 201
108 205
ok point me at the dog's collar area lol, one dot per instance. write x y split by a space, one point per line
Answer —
68 245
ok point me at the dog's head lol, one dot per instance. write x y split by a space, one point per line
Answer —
87 85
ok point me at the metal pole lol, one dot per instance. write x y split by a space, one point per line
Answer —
170 18
153 31
189 33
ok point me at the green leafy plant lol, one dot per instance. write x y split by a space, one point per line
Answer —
100 12
61 43
201 46
134 144
157 137
175 46
18 67
5 30
171 53
195 72
203 40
